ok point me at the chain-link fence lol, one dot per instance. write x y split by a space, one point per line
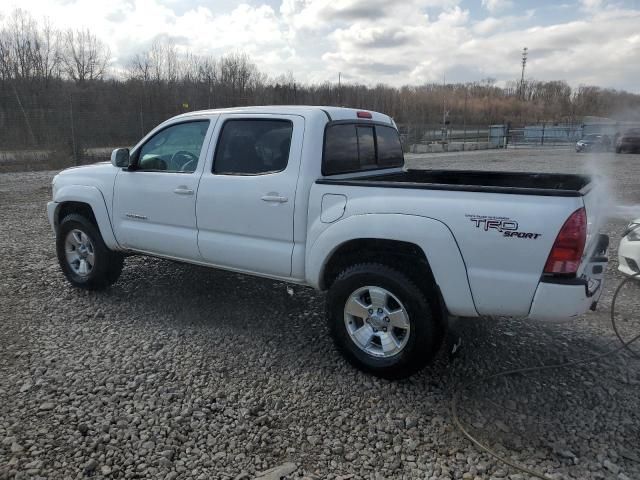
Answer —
69 129
436 138
69 125
544 135
433 139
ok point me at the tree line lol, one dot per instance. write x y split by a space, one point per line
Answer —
61 90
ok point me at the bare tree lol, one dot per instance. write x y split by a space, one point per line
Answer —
85 56
27 51
140 67
49 53
6 59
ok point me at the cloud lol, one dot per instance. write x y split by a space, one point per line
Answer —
372 41
492 25
591 4
584 50
323 14
496 5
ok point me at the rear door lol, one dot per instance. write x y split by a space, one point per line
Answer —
246 196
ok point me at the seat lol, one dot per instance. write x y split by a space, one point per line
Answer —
239 156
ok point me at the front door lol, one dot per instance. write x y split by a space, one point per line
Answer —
246 197
155 202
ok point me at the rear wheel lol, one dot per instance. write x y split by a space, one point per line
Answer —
382 322
84 258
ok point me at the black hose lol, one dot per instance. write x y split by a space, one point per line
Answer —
613 321
454 402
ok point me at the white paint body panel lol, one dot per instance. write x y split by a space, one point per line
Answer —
629 249
152 214
431 235
93 185
149 216
560 302
226 223
238 223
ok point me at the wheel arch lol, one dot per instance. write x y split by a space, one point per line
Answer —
68 207
89 202
395 240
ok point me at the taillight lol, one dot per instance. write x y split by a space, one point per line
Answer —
362 114
568 248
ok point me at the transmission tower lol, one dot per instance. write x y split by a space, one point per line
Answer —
525 52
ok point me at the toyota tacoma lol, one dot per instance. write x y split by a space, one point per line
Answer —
320 196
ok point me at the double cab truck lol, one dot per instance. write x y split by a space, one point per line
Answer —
320 196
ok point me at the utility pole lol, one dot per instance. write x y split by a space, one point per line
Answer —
73 133
339 88
525 52
445 114
464 118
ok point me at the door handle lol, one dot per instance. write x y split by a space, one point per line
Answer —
183 191
274 198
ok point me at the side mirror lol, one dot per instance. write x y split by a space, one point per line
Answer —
120 157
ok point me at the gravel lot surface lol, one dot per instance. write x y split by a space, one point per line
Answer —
179 371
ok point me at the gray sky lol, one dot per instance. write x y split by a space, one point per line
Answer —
396 42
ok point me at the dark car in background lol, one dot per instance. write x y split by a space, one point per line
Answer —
629 141
593 142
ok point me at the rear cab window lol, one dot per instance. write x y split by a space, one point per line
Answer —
360 146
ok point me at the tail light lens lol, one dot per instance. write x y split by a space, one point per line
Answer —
568 248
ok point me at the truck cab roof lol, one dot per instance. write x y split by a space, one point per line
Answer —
332 113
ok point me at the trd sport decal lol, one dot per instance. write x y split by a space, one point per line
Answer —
504 225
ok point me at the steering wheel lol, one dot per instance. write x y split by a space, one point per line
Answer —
191 159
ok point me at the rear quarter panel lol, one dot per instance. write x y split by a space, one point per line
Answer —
499 271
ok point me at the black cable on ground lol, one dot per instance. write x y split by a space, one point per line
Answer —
458 391
613 320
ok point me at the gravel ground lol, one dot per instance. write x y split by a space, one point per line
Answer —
183 372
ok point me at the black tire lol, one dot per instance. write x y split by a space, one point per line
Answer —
107 265
618 149
426 327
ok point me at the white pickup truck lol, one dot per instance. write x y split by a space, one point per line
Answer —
320 196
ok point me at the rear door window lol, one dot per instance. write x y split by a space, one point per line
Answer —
353 147
253 147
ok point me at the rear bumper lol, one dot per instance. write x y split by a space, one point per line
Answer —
564 299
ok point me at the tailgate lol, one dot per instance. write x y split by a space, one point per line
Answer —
594 260
597 204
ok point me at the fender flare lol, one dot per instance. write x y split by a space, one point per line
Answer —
433 236
93 197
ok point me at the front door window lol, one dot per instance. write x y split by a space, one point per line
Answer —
175 148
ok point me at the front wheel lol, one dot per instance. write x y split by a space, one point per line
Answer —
83 256
382 322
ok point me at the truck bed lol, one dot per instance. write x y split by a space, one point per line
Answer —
520 183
